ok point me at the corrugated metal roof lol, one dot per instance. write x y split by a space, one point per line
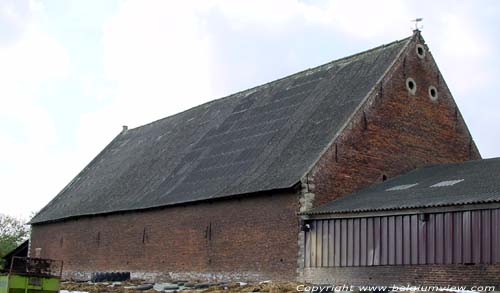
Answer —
470 182
263 138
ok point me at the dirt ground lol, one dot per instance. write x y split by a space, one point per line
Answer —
226 288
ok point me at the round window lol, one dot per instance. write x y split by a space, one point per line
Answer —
411 85
433 93
420 51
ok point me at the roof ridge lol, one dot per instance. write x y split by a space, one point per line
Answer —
267 84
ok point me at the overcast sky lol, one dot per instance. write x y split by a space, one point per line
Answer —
73 72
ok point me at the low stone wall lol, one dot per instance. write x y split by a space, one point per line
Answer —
190 276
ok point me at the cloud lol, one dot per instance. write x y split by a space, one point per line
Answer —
371 19
29 60
158 55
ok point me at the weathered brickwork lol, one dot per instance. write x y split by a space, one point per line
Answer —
415 275
254 237
395 132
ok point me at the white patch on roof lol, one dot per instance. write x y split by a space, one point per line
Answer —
401 187
447 183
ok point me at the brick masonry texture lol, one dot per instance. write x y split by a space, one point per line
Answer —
257 237
250 238
394 132
415 275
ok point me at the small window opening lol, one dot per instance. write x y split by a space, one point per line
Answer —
411 85
384 177
420 51
433 93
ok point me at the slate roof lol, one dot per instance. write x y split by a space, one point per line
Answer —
264 138
470 182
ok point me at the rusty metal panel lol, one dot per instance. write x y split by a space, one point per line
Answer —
331 242
376 241
324 249
337 243
319 242
370 244
343 242
350 242
406 240
458 237
467 237
356 243
448 238
439 238
414 239
384 233
391 239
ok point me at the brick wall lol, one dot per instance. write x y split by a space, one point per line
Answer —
395 132
248 238
415 275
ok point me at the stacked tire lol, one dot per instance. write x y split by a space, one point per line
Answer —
110 277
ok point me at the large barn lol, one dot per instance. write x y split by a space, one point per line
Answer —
224 190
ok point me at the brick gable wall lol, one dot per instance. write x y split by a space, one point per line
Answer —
394 132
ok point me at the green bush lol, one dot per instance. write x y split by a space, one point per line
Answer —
13 232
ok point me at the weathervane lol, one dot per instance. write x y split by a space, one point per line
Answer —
417 20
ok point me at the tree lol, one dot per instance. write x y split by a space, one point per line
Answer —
13 232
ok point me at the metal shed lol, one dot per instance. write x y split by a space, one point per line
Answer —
453 237
445 214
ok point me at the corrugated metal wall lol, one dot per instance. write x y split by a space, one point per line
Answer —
439 238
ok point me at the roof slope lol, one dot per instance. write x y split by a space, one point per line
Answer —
260 139
470 182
